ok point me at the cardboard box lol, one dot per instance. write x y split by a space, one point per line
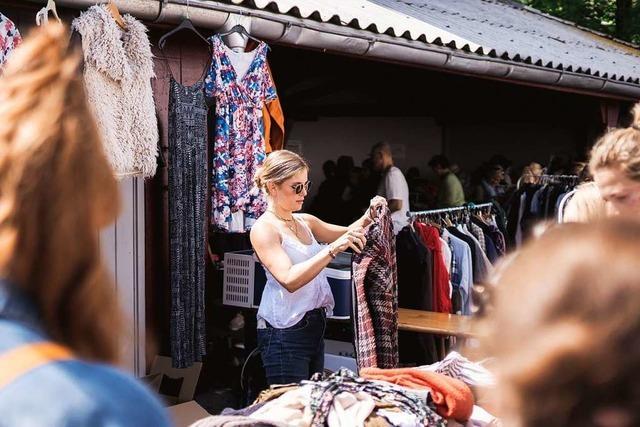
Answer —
185 414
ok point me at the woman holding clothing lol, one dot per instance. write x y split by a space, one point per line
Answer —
297 297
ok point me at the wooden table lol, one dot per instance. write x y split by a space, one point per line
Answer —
435 323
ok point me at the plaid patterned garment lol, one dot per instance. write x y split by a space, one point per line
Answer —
376 300
324 391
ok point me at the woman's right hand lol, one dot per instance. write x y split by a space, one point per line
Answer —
353 239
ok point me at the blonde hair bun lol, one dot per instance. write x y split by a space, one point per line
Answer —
278 167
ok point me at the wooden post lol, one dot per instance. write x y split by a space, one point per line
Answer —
610 111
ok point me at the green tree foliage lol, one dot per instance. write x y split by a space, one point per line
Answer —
618 18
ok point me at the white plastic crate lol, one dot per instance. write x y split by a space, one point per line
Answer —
333 363
244 282
339 354
239 272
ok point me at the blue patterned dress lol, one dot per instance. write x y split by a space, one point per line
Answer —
9 37
239 138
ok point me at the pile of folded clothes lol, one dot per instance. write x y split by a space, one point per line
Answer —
433 395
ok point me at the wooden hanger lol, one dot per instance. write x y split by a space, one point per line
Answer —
115 13
446 221
42 17
411 221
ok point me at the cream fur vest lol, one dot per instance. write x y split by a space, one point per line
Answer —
118 68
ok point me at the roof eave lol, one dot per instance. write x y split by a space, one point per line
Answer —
291 31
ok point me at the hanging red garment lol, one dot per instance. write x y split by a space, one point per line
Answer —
431 239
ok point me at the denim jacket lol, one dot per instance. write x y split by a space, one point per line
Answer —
70 393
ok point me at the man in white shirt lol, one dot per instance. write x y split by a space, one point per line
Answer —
393 185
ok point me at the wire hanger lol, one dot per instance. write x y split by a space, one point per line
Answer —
186 24
42 17
241 30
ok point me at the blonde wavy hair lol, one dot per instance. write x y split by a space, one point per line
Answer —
619 148
586 205
56 191
564 328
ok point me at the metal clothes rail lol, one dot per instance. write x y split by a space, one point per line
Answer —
459 208
546 179
560 176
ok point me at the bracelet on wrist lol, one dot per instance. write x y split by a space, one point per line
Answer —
330 251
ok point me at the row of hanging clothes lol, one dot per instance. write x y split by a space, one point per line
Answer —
233 110
118 68
440 256
232 115
532 203
237 85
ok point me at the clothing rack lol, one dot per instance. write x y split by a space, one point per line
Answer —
447 210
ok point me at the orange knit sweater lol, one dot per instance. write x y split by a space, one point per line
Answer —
452 397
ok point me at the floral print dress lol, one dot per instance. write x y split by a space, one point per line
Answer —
239 134
9 38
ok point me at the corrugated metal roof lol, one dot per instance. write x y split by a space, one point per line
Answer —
494 28
362 14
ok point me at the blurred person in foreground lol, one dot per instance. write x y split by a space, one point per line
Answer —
59 321
615 165
570 356
586 205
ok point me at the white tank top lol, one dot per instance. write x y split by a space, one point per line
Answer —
282 308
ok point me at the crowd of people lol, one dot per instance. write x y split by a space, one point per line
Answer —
347 188
561 319
345 191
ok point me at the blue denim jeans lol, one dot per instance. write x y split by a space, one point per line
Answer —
293 354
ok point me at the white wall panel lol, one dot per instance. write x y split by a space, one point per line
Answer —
123 250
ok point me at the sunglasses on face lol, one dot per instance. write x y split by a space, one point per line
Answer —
300 186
